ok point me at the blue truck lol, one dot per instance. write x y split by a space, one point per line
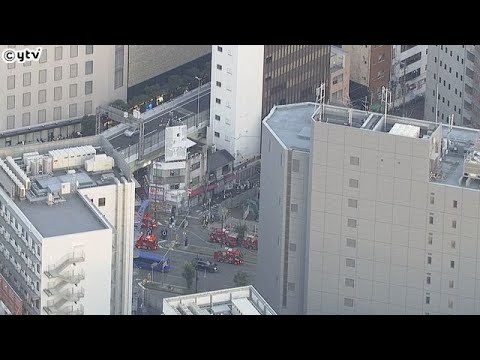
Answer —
147 260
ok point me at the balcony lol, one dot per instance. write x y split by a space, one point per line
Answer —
69 259
169 180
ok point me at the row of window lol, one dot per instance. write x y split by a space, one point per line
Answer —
42 115
440 78
58 55
42 95
42 75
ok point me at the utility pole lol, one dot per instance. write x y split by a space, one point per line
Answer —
387 100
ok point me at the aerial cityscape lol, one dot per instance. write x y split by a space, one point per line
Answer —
239 180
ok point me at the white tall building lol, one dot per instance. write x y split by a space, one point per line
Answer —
385 220
68 81
66 227
409 72
236 99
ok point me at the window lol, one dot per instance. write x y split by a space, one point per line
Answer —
430 219
26 119
195 166
88 107
432 198
219 84
293 247
58 53
101 201
88 87
217 117
72 110
350 262
11 82
348 302
454 224
57 93
57 113
42 116
73 51
72 90
89 67
291 286
460 94
450 284
453 244
294 208
42 76
27 63
295 165
10 121
88 49
217 134
27 99
10 102
73 71
11 66
268 59
352 243
354 160
353 183
349 282
27 78
452 264
43 57
218 101
352 203
352 223
430 238
429 280
456 91
427 300
450 304
57 73
219 49
429 260
219 67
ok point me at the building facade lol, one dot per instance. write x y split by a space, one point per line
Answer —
392 215
409 73
67 82
339 76
248 80
452 85
236 99
66 232
370 65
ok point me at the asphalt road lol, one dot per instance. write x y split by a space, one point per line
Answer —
182 110
198 239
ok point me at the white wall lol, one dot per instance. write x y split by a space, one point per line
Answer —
119 210
103 83
240 93
97 247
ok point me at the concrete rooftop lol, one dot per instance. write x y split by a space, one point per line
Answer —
69 217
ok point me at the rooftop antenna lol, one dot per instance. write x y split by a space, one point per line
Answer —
320 100
386 100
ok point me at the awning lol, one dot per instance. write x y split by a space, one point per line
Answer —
197 191
229 177
212 186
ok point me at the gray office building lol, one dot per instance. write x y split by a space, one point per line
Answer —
360 215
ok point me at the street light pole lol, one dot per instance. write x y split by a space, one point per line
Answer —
198 100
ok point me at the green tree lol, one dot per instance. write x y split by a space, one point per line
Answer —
120 104
89 124
189 274
241 278
241 230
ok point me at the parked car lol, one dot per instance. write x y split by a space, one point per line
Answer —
204 265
